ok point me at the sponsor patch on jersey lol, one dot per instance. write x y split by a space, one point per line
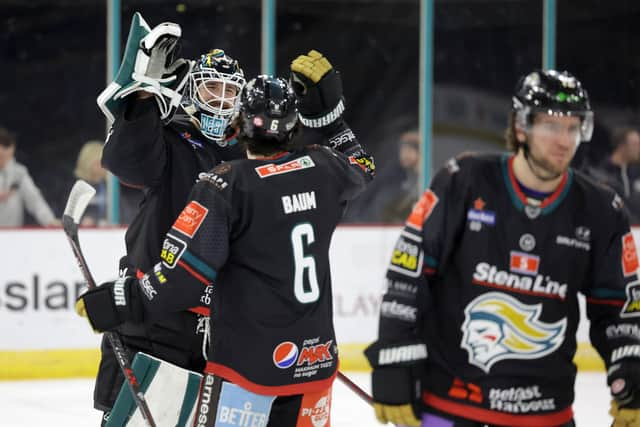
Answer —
315 409
407 256
478 215
422 209
365 162
271 169
521 262
213 179
240 407
499 327
521 400
190 218
542 285
285 354
631 306
629 255
148 289
172 250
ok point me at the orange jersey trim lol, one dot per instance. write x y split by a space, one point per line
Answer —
285 390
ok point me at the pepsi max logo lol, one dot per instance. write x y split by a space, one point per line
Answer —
285 355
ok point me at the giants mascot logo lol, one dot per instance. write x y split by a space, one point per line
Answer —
498 327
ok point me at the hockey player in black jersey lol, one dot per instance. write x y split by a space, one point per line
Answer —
253 242
478 322
161 140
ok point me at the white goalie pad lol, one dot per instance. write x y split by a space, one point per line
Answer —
170 391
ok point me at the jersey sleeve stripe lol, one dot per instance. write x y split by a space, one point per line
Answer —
194 273
199 265
616 303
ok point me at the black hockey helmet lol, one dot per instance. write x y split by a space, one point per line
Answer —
268 108
557 93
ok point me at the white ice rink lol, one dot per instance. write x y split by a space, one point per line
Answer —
67 403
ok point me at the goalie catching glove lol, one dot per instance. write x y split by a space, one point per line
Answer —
148 66
318 87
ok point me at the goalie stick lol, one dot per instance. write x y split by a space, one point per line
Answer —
80 196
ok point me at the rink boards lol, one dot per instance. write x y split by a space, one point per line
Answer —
42 337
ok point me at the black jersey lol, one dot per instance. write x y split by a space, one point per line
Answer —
165 161
489 281
260 231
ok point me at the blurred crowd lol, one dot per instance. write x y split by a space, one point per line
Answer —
388 200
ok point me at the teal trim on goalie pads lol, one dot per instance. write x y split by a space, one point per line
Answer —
145 370
171 393
190 399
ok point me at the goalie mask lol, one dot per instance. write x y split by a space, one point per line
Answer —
554 93
268 109
213 95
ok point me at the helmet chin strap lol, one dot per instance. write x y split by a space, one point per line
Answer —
535 166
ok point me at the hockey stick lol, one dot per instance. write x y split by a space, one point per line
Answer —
79 198
355 388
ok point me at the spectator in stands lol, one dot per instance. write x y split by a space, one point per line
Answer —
390 197
621 170
89 169
17 190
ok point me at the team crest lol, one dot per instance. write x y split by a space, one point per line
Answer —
498 327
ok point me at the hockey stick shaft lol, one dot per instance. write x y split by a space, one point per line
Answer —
71 230
355 388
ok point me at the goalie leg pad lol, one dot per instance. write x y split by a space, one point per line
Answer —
171 393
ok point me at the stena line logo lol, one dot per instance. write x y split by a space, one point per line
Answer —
489 275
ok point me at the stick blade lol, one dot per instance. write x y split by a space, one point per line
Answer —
79 198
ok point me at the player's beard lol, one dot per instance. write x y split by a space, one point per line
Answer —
542 168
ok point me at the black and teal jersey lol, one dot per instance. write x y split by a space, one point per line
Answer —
489 280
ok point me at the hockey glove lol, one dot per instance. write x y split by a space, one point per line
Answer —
395 380
148 65
318 88
109 305
623 379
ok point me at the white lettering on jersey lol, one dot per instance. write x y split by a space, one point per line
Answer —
489 275
299 202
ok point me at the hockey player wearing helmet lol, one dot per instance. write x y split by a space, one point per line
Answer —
260 229
478 322
163 136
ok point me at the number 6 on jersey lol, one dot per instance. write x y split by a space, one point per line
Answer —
304 263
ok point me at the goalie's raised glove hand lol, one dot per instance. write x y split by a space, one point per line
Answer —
109 305
318 87
623 379
148 65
